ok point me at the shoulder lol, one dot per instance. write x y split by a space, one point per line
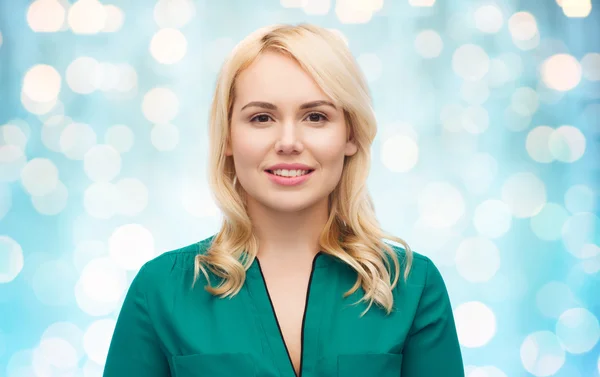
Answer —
423 270
174 261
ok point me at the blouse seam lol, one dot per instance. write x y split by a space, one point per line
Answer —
420 297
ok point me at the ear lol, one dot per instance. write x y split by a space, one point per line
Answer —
228 149
351 148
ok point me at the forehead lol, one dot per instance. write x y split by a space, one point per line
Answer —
274 77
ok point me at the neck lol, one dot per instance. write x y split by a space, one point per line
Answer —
288 237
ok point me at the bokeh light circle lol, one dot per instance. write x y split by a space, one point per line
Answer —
578 330
475 324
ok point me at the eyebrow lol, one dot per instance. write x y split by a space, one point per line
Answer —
270 106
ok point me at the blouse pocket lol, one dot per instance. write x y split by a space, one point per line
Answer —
214 365
370 365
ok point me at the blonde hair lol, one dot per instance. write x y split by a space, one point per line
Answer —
352 233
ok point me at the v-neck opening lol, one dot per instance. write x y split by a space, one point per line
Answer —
312 271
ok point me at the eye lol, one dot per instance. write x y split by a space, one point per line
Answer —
318 117
260 118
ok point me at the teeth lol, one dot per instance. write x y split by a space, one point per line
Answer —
289 173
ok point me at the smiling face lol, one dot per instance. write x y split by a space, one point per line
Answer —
280 115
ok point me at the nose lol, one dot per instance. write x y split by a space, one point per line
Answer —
288 141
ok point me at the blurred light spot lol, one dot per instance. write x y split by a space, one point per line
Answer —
160 105
474 92
11 134
576 8
168 46
542 354
498 74
68 332
127 79
81 75
102 163
548 223
525 194
421 3
319 7
76 139
459 144
120 137
537 144
103 281
561 72
475 324
87 17
133 196
51 131
107 77
477 259
92 369
53 282
578 330
567 144
174 13
522 26
5 199
197 200
580 230
475 119
470 62
53 202
524 101
130 246
528 44
37 108
489 18
96 339
12 161
20 364
11 258
354 11
516 122
590 65
429 44
441 205
580 198
452 117
39 176
165 137
554 298
479 172
41 83
370 64
114 19
55 352
492 218
46 16
292 3
437 241
400 153
100 200
592 265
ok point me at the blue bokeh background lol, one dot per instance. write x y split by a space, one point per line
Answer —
487 160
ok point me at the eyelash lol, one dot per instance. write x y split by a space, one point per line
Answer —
322 115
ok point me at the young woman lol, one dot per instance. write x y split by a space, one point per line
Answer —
298 281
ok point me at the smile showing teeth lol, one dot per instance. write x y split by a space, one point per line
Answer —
289 173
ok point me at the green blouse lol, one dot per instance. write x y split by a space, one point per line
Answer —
165 328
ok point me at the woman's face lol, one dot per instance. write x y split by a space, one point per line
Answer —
276 119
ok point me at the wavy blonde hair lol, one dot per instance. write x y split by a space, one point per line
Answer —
352 234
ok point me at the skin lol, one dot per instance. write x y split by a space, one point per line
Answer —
287 219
